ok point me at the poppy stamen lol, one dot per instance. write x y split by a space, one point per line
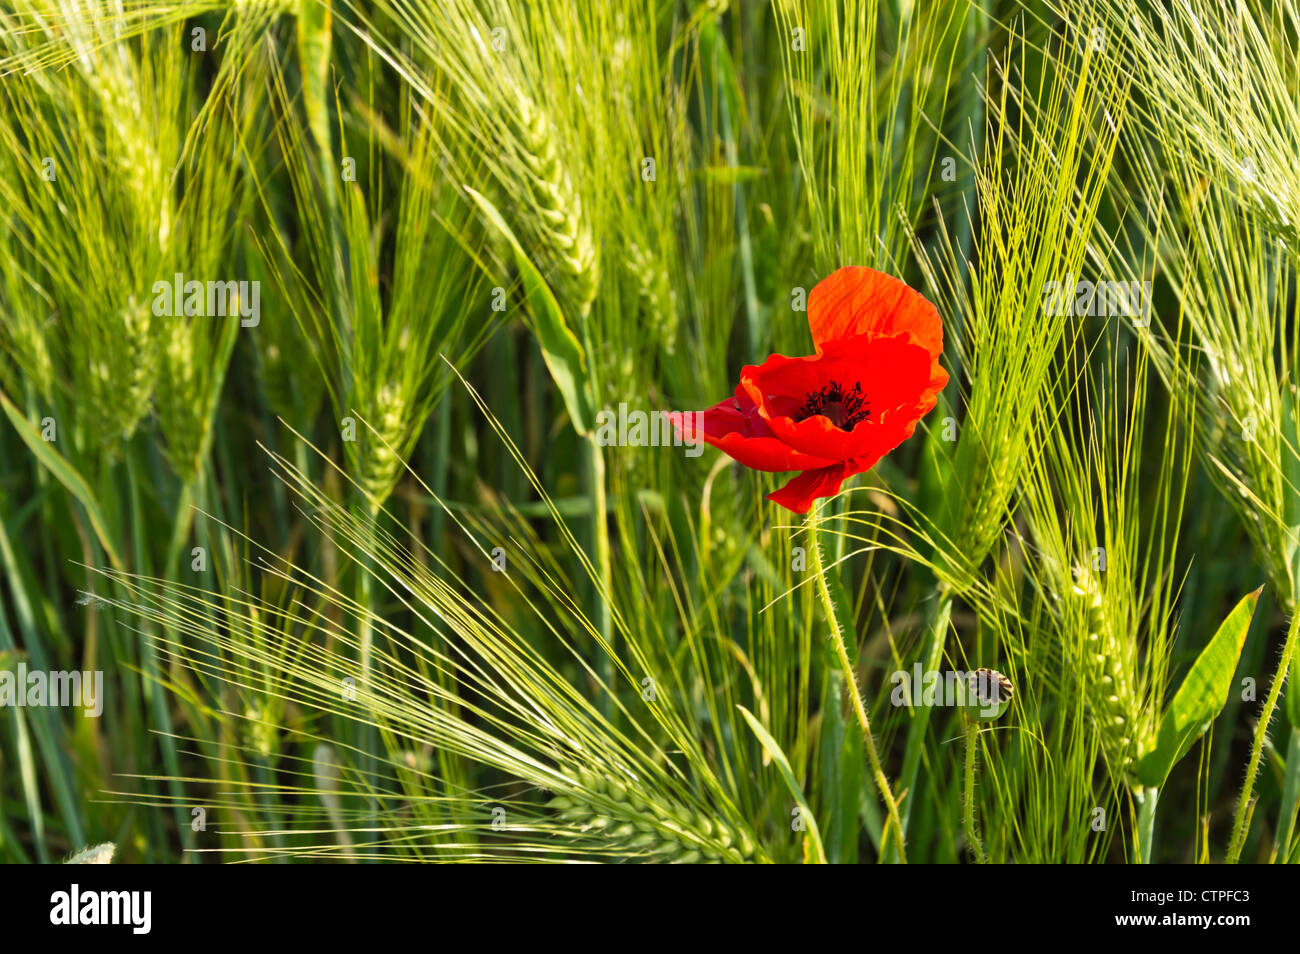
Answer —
843 408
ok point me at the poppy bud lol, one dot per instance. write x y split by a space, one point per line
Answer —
986 695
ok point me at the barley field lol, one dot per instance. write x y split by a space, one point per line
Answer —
664 431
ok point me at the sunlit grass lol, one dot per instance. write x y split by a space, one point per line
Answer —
365 585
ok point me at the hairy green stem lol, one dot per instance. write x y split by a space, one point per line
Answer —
851 684
968 823
1239 822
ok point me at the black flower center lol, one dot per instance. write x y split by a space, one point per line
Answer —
843 408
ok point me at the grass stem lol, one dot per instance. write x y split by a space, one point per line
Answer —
1239 822
969 824
599 551
1146 799
851 682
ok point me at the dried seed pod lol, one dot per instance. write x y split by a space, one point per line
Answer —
987 694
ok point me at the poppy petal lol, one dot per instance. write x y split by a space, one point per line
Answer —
744 436
896 377
858 300
799 493
875 372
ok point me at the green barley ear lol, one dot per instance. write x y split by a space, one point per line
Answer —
628 820
1220 162
376 338
115 365
1237 305
654 291
557 206
259 729
627 797
97 855
124 210
294 388
1106 531
1006 337
509 129
23 341
193 358
1221 174
377 463
1220 83
1106 666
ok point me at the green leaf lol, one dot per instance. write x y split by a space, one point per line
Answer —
56 770
1201 697
560 348
65 473
813 837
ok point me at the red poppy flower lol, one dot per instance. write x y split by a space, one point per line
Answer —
835 413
